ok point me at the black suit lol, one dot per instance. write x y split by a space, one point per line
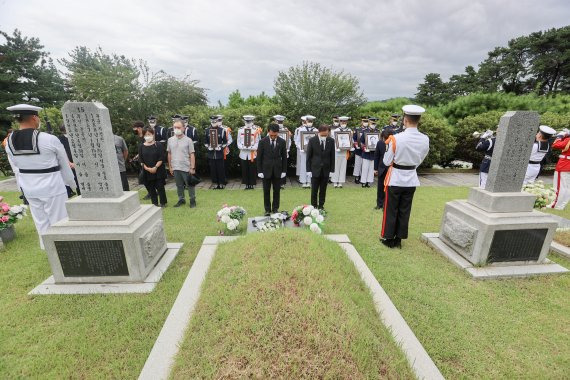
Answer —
320 163
382 171
65 142
271 162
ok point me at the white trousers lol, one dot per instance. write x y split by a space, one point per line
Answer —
357 166
532 171
562 187
302 166
47 211
367 173
298 168
482 179
339 175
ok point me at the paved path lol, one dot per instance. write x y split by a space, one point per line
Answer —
432 179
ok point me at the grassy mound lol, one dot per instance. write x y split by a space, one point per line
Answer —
286 304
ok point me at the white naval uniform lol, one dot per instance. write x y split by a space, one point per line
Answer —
340 160
246 153
302 156
537 154
45 192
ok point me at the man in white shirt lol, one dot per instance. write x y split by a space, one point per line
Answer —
404 153
182 163
540 148
342 154
304 179
247 141
41 168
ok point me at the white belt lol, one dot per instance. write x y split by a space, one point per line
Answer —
563 156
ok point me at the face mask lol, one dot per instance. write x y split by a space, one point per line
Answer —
148 138
152 123
309 124
335 124
248 123
394 123
343 125
365 124
177 131
372 126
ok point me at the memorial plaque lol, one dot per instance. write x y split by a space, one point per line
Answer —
305 137
515 136
247 137
91 258
213 137
516 245
343 140
371 140
93 149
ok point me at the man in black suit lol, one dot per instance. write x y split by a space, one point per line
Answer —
271 166
65 142
320 164
380 169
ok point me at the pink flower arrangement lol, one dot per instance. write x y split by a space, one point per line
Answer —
9 215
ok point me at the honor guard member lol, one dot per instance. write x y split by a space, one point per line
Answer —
228 132
216 154
247 154
341 155
486 145
540 148
280 120
41 168
393 125
380 169
367 170
304 179
160 133
405 151
357 148
298 167
190 130
562 171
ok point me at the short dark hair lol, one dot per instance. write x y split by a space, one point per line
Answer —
148 130
24 118
273 127
413 118
324 127
138 124
62 128
386 133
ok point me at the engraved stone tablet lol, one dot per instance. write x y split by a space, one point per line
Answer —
93 149
517 245
92 258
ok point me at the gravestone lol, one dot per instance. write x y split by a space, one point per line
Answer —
498 225
108 236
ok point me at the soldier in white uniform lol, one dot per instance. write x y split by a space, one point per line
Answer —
405 151
341 155
41 167
247 154
298 167
280 119
302 164
540 148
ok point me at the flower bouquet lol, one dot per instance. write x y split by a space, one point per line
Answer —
230 216
9 215
308 216
544 195
270 224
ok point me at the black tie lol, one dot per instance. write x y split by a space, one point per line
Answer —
322 145
272 144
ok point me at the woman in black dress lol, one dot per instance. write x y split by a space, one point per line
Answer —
152 159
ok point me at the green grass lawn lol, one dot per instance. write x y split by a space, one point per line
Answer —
287 304
508 328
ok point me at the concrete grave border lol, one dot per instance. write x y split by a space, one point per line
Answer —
491 272
49 287
162 356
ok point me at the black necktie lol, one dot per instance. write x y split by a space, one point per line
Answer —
272 144
322 145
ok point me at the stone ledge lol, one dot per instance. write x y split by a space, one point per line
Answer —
501 202
491 272
560 249
49 287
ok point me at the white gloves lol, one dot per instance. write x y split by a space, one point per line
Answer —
309 174
338 150
330 175
283 175
218 148
487 134
260 175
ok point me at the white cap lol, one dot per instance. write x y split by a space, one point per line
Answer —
344 118
310 117
547 130
304 118
24 109
248 117
279 117
220 117
412 109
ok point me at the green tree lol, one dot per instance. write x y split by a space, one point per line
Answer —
27 75
433 91
464 84
311 88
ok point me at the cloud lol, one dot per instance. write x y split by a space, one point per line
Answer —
389 45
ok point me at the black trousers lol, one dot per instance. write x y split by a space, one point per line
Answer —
217 171
267 183
319 189
397 208
156 191
248 172
124 181
380 194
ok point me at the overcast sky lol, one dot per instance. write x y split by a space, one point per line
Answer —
389 45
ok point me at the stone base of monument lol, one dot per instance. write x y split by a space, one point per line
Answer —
493 235
109 245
